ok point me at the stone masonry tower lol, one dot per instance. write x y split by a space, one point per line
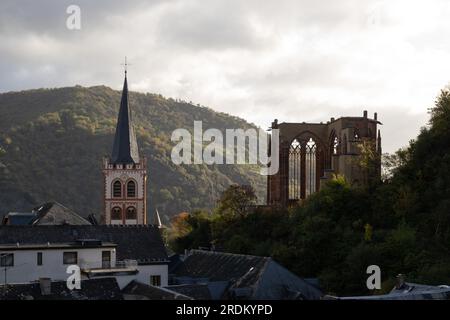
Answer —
125 173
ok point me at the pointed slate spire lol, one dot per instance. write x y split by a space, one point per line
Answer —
125 148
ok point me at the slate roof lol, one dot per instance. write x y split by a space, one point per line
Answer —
137 291
409 291
238 276
414 287
219 266
136 242
93 289
196 291
125 148
55 213
50 213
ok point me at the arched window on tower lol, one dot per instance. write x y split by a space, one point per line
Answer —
116 213
310 167
131 213
117 189
295 170
131 189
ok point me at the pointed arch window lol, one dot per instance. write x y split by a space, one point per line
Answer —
306 163
310 167
356 135
116 213
295 170
131 213
117 189
131 189
335 145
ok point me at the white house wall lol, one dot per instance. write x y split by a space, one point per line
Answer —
25 267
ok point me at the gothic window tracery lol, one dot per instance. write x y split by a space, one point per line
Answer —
303 168
295 170
310 166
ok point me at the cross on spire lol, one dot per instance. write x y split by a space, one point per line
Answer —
125 65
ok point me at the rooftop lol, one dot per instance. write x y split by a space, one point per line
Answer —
59 245
220 266
137 290
93 289
137 242
49 213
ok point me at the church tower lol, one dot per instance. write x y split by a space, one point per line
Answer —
125 173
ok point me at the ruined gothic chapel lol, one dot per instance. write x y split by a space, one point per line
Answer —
125 173
310 153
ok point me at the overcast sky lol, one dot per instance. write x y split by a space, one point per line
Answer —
294 60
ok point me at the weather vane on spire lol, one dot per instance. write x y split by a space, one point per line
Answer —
125 65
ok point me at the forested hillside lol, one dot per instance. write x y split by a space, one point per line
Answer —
52 142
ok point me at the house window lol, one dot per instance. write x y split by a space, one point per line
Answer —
70 257
155 281
39 258
131 189
106 259
131 213
117 189
116 213
6 259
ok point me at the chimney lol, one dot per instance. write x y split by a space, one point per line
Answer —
365 113
275 124
332 119
46 286
375 116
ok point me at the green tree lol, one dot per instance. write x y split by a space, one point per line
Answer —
237 199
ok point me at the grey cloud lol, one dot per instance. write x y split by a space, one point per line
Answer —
49 16
213 25
295 60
